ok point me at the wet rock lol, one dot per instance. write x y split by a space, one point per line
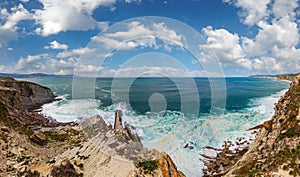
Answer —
186 146
130 131
191 147
211 166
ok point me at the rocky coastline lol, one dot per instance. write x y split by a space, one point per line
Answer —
276 149
34 145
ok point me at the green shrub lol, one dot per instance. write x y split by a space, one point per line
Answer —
148 166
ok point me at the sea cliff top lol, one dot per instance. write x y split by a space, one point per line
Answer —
276 149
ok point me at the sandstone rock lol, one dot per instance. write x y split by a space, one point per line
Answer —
167 167
38 138
211 166
267 124
5 129
144 151
93 125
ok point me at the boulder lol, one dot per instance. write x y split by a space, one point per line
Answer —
93 125
38 138
5 129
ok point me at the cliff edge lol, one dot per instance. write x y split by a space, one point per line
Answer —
276 150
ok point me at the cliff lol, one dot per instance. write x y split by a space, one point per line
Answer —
30 95
26 136
276 150
32 145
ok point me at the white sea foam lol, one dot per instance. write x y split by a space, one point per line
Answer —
265 105
171 130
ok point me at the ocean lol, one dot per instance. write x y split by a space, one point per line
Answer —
171 112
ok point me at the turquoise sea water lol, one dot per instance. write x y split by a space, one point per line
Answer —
170 113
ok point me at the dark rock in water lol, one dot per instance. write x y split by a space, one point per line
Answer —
186 146
38 138
191 147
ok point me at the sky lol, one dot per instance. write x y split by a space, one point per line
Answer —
112 37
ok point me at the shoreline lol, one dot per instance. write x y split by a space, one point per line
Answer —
57 160
256 159
33 145
239 135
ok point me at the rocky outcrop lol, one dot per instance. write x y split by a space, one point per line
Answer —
110 152
28 140
32 145
10 101
31 95
167 167
118 120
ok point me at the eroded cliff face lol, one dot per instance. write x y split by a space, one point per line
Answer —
27 138
276 150
10 101
31 95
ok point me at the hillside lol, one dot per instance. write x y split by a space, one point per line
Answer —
276 149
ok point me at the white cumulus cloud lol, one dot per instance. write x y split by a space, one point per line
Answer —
9 21
225 46
139 35
252 11
75 52
282 8
56 45
281 34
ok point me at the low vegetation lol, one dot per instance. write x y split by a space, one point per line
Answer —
148 166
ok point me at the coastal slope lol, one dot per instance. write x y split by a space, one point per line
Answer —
276 150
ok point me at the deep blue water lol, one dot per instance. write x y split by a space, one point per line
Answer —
240 91
170 112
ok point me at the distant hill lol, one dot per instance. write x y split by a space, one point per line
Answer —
272 76
16 75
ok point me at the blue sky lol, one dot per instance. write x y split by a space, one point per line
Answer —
53 36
